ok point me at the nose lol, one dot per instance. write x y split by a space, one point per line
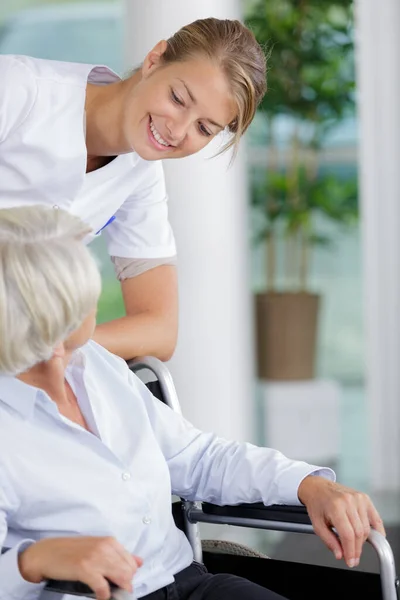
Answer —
177 129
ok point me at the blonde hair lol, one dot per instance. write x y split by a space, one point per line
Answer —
241 58
49 283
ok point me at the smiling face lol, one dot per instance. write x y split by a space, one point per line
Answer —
176 109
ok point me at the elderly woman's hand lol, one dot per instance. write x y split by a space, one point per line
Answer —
92 560
351 513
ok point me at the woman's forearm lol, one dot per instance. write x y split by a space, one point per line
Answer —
139 335
151 324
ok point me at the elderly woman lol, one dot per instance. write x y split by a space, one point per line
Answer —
89 459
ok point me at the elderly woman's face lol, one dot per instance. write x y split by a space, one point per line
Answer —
177 109
81 335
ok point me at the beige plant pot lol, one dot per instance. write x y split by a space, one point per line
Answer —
286 335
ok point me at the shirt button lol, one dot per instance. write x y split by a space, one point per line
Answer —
146 520
126 476
55 206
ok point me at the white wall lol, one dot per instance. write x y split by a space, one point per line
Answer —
213 363
378 70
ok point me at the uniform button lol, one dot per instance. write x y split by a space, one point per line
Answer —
55 206
126 476
146 520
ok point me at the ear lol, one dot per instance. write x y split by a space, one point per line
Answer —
153 59
59 351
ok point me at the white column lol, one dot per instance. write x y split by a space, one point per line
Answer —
378 64
212 366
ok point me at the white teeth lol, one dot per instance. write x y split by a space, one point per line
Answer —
158 137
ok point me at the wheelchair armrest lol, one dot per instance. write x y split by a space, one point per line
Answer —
282 513
258 516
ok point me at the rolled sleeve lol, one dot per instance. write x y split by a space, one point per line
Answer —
141 228
126 268
12 585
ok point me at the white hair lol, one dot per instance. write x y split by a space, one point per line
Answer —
49 283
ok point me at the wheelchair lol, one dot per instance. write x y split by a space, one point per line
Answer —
295 581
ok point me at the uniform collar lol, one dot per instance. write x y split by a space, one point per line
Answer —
102 75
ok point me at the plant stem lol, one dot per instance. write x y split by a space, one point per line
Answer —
311 164
271 261
304 262
290 259
273 157
293 187
270 247
293 171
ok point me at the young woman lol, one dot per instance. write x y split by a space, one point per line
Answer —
89 458
76 137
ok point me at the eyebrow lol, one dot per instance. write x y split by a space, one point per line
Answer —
193 99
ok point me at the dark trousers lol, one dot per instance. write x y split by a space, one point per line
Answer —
195 583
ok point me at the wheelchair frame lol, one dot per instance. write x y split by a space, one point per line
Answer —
277 518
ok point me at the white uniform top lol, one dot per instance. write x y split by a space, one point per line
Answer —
43 158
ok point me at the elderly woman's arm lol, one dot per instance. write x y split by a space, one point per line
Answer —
150 326
12 583
25 568
95 561
205 467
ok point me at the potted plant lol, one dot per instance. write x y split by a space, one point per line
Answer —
311 86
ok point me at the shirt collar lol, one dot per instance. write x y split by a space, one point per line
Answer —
77 359
18 395
22 397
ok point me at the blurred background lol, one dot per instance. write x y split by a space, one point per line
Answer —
288 261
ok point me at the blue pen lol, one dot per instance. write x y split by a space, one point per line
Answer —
108 222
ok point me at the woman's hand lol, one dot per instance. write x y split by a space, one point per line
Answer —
91 560
351 513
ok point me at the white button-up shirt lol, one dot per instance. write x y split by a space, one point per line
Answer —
58 479
43 158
